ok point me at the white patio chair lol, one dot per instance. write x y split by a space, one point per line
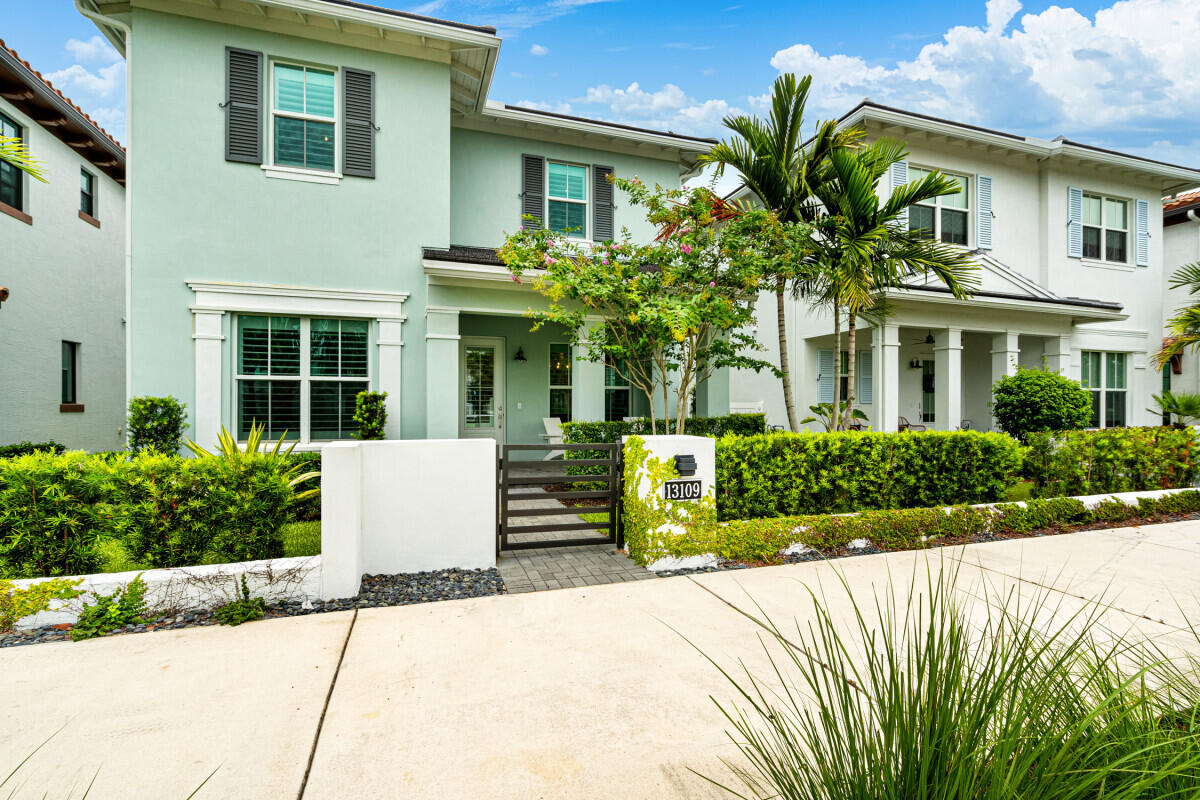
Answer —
553 435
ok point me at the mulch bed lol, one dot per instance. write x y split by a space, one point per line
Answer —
376 591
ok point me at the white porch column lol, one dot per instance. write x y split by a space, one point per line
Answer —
206 406
947 377
587 386
887 386
1005 351
1058 354
442 402
391 344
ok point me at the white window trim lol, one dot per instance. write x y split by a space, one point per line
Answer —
1103 389
215 299
936 203
305 174
305 378
586 202
95 212
1103 260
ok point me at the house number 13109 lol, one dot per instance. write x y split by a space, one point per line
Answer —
681 490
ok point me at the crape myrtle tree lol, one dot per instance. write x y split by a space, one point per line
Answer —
665 314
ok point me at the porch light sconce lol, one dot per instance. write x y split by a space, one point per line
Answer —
685 465
520 356
3 294
915 364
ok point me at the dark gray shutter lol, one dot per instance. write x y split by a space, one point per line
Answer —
533 189
358 142
602 195
243 105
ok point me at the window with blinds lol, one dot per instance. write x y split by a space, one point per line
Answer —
299 377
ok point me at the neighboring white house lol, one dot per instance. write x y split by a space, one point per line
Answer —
62 246
1181 246
1069 243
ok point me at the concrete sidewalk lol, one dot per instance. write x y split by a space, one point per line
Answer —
584 692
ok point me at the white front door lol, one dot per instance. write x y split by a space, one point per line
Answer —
481 388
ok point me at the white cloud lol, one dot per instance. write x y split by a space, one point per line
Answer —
77 78
539 50
669 108
94 51
557 108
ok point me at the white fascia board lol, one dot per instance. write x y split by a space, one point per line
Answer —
1009 304
378 19
483 272
500 112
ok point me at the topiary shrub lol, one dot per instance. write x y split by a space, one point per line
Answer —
156 423
1040 400
370 412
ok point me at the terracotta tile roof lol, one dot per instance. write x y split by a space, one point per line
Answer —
1182 200
68 100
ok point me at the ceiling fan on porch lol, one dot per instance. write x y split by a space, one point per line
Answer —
927 340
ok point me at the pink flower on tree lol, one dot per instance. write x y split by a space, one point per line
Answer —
712 284
549 261
686 248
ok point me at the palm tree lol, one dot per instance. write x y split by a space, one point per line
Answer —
16 152
866 247
778 167
1184 327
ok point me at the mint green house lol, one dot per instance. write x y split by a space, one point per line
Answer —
315 190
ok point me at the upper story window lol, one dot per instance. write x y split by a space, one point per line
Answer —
10 176
303 117
1105 228
87 193
566 198
944 218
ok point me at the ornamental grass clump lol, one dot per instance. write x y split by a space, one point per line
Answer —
911 696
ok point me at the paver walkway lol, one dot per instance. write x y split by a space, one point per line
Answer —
589 692
559 567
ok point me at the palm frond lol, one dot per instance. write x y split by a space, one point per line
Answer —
14 151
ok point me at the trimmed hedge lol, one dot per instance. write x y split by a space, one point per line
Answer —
761 540
25 448
1111 460
168 511
786 474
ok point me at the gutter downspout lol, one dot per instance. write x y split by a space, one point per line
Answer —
89 9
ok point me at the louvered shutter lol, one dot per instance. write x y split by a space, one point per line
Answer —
899 177
824 376
1074 222
602 197
358 140
1141 219
983 212
243 105
533 180
866 378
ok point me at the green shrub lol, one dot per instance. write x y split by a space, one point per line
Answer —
370 412
53 510
126 606
25 448
16 603
244 609
785 474
1040 400
1111 460
307 508
156 423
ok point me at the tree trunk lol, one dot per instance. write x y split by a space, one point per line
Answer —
851 368
835 416
789 401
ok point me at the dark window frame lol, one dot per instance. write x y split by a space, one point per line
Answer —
15 177
70 373
87 197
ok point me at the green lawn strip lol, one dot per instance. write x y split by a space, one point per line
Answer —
302 539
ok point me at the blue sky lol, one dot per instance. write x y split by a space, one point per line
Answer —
1113 73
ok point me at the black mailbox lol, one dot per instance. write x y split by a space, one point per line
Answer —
685 464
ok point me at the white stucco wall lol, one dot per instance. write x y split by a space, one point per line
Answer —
67 282
405 506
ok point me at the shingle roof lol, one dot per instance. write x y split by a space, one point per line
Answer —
58 92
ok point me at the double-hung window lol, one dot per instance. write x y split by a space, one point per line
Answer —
300 377
560 382
303 117
566 198
616 394
87 193
1105 228
10 176
944 218
1104 375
